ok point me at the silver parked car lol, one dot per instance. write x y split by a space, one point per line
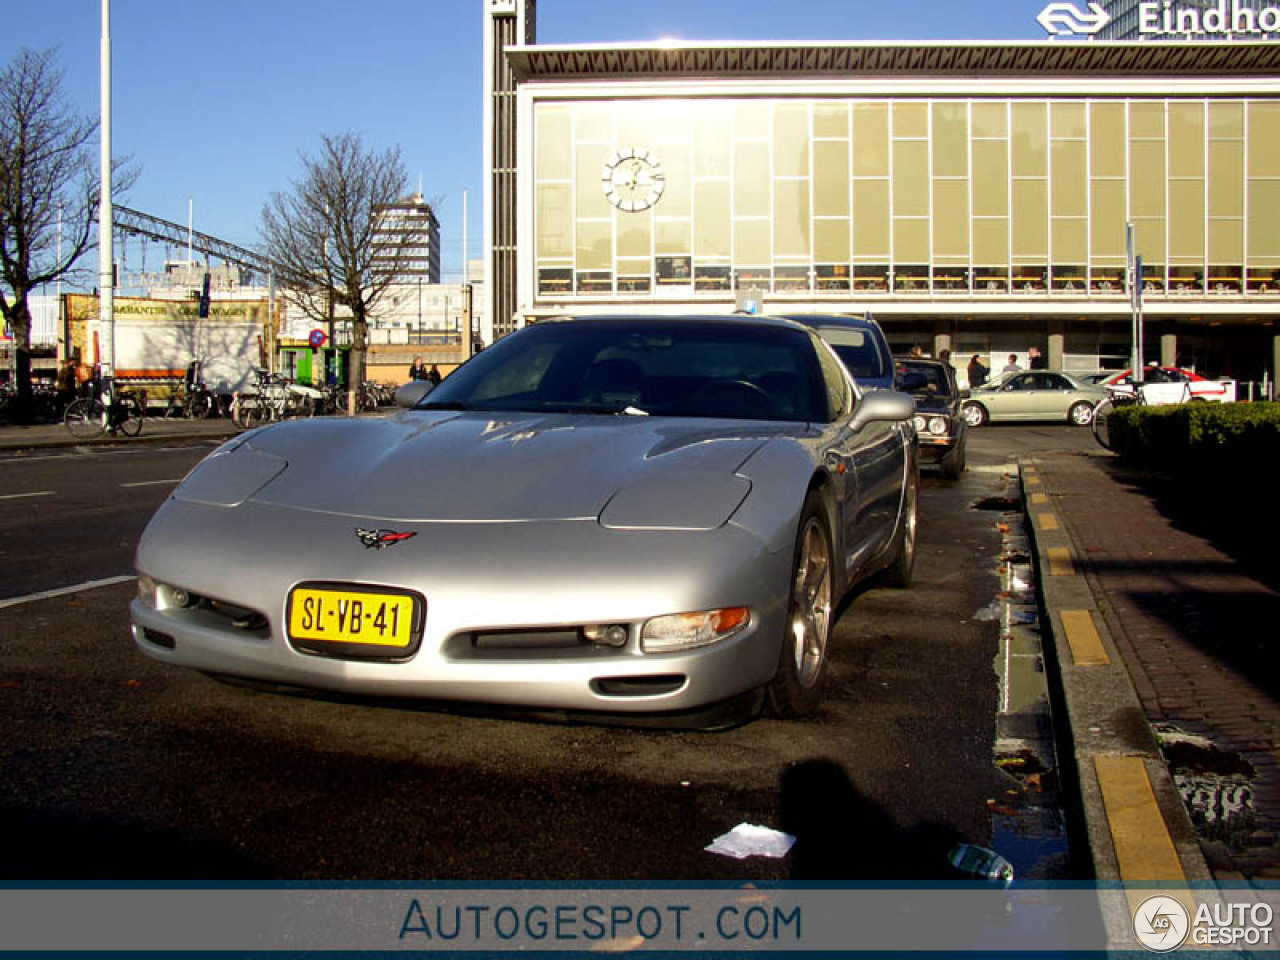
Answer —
1034 395
625 515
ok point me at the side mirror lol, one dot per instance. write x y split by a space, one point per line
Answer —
883 405
413 391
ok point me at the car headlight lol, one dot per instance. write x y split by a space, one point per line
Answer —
682 631
920 424
938 426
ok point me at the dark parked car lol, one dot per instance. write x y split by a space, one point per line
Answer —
859 342
941 429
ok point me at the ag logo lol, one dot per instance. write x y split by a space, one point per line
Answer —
1161 923
1064 19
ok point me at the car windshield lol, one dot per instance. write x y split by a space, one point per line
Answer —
922 379
674 368
859 351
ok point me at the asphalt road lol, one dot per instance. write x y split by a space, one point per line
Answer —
116 767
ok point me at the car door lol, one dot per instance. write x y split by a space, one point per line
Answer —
1055 394
868 466
1018 398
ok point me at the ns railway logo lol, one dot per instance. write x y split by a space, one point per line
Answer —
1165 18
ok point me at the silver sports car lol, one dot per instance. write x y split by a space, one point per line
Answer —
623 515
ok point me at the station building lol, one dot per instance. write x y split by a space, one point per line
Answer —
976 197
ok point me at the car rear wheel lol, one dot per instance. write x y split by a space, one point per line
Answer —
1080 414
796 689
975 414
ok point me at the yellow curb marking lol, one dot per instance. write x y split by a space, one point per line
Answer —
1047 521
1060 562
1030 478
1082 636
1144 849
1039 498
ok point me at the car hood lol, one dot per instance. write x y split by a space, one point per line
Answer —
468 467
938 405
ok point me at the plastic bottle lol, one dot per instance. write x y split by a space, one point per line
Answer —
982 863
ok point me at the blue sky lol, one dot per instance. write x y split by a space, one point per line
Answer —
214 101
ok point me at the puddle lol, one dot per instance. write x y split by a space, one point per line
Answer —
1028 827
1005 504
1215 785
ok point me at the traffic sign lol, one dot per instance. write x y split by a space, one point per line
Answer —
317 338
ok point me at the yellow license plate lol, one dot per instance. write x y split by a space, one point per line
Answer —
327 619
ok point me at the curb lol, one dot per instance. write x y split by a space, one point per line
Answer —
1137 827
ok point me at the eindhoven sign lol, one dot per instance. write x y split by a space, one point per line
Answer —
1165 18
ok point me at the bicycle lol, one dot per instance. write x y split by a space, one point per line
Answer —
88 417
274 398
1146 395
192 404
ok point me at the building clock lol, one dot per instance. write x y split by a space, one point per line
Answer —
633 180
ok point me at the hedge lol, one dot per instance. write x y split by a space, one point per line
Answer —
1190 438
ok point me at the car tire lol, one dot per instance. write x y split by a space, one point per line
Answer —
1080 414
953 466
898 573
796 689
975 414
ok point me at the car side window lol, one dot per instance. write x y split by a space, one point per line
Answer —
839 400
1054 382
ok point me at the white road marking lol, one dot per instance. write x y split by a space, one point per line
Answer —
19 496
149 483
65 591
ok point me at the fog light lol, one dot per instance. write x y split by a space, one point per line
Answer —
611 635
682 631
180 597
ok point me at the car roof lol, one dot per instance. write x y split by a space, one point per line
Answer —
730 319
832 320
932 361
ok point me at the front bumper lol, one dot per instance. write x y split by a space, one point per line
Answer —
475 579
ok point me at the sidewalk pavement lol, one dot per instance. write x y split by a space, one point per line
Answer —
154 429
1168 674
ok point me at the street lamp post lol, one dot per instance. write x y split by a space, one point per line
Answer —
106 248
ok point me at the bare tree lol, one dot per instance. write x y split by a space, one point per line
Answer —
48 193
331 237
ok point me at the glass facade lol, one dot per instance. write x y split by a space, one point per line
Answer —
826 198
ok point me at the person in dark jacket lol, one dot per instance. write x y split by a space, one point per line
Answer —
417 371
977 372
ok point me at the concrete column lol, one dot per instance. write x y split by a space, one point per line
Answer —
1275 366
1057 343
942 336
1168 349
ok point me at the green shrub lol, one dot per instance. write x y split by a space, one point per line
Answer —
1194 437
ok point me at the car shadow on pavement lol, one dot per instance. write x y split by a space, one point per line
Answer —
843 836
73 845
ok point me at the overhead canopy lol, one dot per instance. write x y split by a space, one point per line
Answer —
726 60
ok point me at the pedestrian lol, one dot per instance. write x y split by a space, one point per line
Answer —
1012 365
417 371
916 351
84 379
434 375
65 384
977 372
945 357
1038 362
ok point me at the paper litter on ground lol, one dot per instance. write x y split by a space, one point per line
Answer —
748 840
